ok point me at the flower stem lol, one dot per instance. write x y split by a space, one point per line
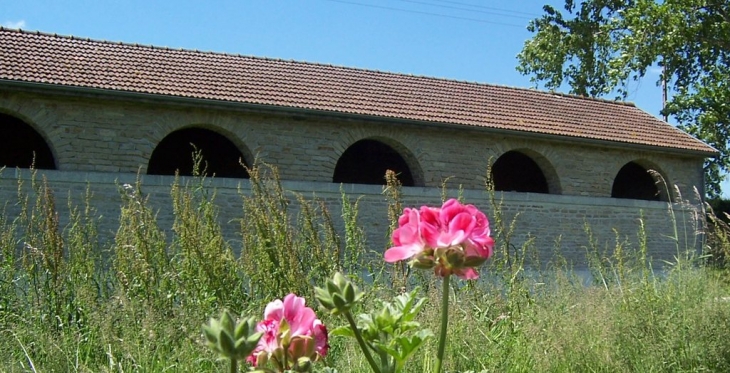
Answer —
444 323
234 366
285 364
361 342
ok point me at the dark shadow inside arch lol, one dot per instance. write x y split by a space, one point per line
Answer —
175 153
19 143
634 182
517 172
366 161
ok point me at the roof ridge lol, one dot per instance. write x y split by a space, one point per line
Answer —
350 68
599 99
102 41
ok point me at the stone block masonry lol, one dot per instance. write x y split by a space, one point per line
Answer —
546 218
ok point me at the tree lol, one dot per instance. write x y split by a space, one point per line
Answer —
599 46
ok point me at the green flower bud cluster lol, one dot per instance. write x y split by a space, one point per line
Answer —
339 296
452 257
231 340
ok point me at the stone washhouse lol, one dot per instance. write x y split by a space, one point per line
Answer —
98 113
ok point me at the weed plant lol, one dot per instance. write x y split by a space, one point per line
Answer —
72 302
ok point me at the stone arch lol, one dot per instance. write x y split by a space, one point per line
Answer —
525 170
221 156
21 145
365 162
642 180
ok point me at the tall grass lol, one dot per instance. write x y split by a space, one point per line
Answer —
72 302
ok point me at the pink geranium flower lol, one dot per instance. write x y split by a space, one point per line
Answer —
293 310
303 329
448 226
453 239
319 332
407 238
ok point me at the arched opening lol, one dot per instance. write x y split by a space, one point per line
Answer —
516 172
175 153
21 146
366 161
634 181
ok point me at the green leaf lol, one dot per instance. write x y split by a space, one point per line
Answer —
339 302
243 348
409 345
349 293
226 322
255 337
342 331
211 334
244 328
226 345
332 288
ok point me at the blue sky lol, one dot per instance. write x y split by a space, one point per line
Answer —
467 40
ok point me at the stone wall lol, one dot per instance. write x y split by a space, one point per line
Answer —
547 218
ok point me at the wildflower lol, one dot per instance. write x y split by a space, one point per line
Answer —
452 239
407 238
291 331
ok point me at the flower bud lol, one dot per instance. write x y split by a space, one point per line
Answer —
226 345
227 322
302 346
303 364
423 260
229 339
339 295
453 258
474 261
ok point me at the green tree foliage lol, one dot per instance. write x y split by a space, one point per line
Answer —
598 47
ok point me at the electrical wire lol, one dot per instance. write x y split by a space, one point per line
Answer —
531 15
467 9
427 13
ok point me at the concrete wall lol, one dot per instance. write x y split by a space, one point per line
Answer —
546 217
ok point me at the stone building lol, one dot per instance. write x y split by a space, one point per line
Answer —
100 112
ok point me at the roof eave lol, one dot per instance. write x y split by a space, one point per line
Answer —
151 97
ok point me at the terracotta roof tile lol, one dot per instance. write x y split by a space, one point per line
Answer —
59 60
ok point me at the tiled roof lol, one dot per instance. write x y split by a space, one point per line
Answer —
70 61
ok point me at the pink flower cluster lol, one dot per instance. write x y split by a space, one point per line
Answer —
291 331
453 239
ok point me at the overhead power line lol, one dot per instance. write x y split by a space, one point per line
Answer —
490 11
531 15
427 13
